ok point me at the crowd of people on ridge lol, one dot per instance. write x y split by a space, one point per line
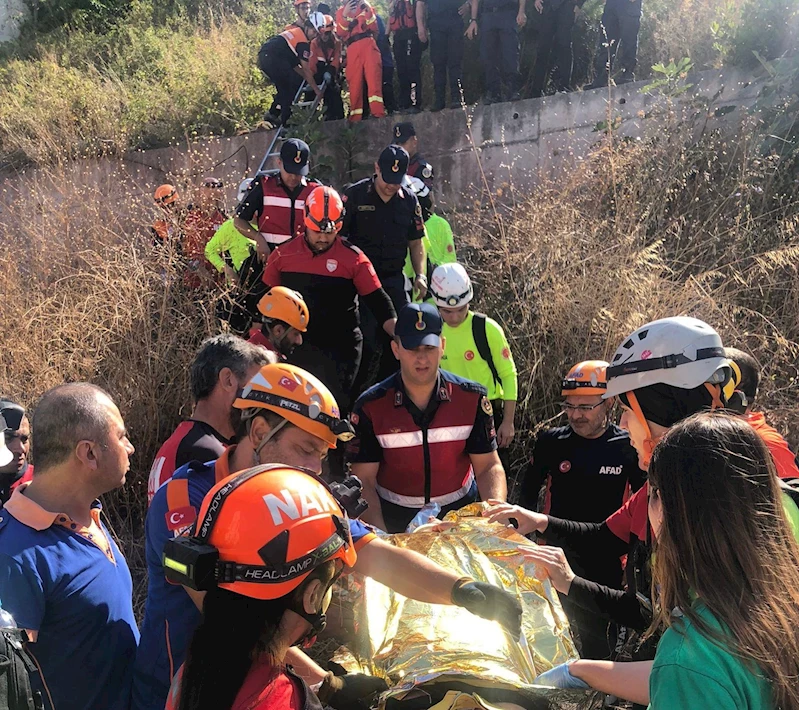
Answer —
322 47
354 392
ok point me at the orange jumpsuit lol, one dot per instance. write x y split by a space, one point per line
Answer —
364 63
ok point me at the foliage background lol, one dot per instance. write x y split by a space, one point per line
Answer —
94 77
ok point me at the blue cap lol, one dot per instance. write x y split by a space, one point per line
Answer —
294 154
393 164
418 324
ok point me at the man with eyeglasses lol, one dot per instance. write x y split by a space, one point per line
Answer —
589 469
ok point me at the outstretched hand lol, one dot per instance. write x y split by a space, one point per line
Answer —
489 602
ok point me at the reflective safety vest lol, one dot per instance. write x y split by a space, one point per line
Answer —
294 36
402 15
282 216
428 463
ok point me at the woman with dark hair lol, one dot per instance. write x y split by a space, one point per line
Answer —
725 578
269 544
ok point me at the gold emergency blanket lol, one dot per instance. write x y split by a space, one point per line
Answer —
416 645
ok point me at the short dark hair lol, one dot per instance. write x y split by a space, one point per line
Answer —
750 372
66 415
218 352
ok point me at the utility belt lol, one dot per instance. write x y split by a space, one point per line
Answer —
357 38
498 8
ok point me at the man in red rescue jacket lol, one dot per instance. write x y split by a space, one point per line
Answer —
423 435
278 201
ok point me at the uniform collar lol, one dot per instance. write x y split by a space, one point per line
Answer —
30 513
440 393
222 466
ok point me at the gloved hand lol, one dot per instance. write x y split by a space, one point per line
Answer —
489 602
345 692
561 677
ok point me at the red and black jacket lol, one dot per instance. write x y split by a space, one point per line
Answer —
331 283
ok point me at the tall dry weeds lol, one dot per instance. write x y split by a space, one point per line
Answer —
639 230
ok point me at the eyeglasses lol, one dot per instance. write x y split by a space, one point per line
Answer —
568 407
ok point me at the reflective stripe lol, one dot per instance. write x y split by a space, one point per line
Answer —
376 99
356 110
275 238
419 501
272 201
439 435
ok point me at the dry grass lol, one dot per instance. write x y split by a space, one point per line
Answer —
644 230
639 231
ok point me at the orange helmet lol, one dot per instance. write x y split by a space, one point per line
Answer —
586 378
165 194
283 304
260 533
324 210
298 397
328 26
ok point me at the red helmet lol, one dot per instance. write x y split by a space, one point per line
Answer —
324 210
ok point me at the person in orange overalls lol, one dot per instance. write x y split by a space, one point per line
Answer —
356 25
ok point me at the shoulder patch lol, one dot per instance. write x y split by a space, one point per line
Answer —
427 171
418 210
485 405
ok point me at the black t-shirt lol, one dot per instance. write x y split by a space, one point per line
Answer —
586 482
443 13
382 229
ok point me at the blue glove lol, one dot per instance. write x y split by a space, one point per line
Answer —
561 677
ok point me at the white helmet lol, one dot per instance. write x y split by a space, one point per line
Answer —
244 188
317 19
450 286
416 185
681 352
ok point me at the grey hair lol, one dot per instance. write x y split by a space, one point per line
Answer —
221 351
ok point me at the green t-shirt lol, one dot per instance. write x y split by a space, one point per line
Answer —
691 672
228 239
462 358
792 513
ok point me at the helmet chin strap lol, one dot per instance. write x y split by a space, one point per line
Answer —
651 441
318 620
266 440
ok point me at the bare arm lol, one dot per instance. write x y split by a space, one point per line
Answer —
406 572
419 262
624 680
367 472
507 430
490 476
304 70
304 666
421 20
246 229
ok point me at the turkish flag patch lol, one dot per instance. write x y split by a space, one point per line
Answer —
288 383
180 517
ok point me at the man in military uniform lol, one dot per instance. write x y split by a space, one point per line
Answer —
423 435
404 134
384 219
500 21
443 21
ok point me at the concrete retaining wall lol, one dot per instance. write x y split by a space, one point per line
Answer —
473 150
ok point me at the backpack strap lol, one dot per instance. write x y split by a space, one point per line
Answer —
481 341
